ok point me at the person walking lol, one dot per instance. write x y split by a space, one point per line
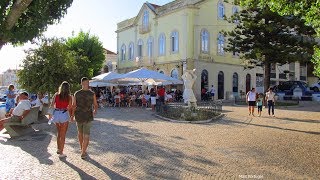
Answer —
85 108
260 104
62 104
251 100
212 92
10 101
270 98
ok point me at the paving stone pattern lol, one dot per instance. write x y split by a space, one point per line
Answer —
131 143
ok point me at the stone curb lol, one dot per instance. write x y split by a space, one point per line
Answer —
190 122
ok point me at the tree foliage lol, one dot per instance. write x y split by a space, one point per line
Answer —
308 10
264 37
90 53
46 67
22 20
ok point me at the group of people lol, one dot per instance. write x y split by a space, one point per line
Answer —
135 96
253 99
80 107
207 95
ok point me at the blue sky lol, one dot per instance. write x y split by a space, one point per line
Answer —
100 17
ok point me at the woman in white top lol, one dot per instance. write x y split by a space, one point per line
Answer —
271 100
251 100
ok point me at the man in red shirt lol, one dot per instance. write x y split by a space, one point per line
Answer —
161 93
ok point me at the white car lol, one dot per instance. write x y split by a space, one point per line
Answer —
315 87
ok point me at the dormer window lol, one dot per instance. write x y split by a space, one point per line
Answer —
145 20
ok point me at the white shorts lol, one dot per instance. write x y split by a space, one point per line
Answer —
153 101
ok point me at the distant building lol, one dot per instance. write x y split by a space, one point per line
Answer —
1 80
10 77
110 64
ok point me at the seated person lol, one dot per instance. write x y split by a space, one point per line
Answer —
41 101
169 97
19 112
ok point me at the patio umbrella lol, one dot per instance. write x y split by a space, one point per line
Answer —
145 76
93 83
106 76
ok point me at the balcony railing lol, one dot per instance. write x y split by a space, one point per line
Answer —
144 28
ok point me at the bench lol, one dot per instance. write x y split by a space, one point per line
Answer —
15 129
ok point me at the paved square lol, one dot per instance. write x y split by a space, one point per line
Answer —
130 143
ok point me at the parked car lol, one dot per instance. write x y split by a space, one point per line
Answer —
315 87
3 98
288 86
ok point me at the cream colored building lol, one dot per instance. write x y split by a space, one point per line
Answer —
10 77
185 34
110 64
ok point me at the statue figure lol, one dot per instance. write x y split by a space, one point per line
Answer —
189 77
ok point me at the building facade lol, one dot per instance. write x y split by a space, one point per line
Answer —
10 77
110 64
186 34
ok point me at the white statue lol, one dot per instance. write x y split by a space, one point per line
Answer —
189 77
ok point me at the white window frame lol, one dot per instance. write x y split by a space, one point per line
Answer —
205 40
221 10
174 42
131 51
150 47
140 48
145 19
162 44
123 52
221 41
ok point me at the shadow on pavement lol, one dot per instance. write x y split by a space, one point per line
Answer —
83 175
230 122
36 144
108 172
138 150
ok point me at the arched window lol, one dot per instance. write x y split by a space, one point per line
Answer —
235 82
220 44
204 41
145 20
235 10
221 10
175 74
150 47
162 44
204 79
131 51
175 41
221 85
123 52
140 46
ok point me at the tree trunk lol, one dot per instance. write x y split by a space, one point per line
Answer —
17 9
2 43
267 70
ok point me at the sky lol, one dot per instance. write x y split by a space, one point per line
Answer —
99 17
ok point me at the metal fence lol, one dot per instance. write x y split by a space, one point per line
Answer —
177 110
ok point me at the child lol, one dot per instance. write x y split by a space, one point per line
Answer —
260 104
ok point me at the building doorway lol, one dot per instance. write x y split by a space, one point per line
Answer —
248 82
204 79
221 85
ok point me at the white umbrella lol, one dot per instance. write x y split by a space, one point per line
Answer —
106 76
93 83
145 76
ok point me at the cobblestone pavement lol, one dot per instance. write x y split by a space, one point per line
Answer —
133 144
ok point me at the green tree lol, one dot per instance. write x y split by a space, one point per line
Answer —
263 37
308 10
90 53
22 20
46 67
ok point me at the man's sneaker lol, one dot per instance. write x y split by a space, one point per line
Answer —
62 156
